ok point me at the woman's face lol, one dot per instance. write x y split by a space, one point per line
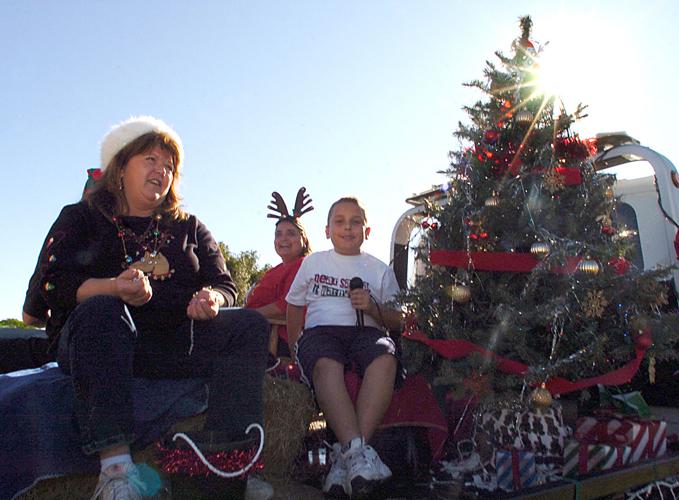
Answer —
288 241
146 180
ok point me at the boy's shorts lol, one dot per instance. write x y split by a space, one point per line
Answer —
346 345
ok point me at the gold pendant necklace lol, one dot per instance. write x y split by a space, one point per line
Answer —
151 261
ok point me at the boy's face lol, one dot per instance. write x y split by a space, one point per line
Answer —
347 229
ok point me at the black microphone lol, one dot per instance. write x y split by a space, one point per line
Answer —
354 284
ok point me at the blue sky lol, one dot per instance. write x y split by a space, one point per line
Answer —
343 97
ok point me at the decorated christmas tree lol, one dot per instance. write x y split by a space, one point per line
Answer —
528 289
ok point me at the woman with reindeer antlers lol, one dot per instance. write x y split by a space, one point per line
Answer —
292 245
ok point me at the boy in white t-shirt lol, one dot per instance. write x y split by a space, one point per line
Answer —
345 325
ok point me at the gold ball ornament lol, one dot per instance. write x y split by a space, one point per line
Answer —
541 397
588 266
492 201
524 116
460 293
539 250
609 193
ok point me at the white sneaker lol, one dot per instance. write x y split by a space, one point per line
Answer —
258 489
365 470
126 482
335 482
383 471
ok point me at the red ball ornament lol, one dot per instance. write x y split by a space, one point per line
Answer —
490 136
525 42
620 265
609 230
641 332
644 341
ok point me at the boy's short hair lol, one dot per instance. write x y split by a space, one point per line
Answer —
348 199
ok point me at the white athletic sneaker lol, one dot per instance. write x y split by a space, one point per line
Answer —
335 482
126 482
365 470
257 489
371 455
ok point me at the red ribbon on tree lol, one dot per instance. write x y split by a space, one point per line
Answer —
456 349
515 262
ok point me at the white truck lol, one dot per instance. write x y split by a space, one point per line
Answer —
648 205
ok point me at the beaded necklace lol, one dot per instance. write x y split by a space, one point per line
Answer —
147 256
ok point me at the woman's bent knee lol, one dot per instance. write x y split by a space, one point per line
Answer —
257 325
99 305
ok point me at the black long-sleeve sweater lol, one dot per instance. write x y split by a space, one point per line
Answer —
84 244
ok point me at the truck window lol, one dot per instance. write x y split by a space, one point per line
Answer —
626 218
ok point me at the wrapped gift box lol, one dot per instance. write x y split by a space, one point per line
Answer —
657 446
647 438
515 469
541 431
582 458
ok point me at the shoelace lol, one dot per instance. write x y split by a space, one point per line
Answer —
358 461
215 470
135 482
335 450
123 486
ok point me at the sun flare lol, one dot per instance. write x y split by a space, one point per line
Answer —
578 57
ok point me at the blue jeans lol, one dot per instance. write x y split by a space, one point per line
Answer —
102 353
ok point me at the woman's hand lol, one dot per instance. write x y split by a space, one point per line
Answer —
204 304
133 287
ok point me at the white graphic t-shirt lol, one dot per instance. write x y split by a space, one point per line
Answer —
322 284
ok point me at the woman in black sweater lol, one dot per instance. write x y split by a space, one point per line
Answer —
135 287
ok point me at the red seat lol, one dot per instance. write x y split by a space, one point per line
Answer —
412 405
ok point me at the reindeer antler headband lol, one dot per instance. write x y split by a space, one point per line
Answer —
302 206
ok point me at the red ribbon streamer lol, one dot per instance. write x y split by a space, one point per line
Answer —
583 453
513 262
516 467
571 175
456 349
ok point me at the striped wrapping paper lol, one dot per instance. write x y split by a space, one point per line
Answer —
647 438
515 469
658 442
582 458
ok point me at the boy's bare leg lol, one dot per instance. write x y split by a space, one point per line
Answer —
375 394
333 398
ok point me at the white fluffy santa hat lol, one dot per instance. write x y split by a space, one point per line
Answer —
127 131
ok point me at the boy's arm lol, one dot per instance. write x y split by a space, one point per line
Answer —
392 317
384 315
295 320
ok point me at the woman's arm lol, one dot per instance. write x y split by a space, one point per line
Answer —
213 272
271 311
131 286
32 320
63 272
268 296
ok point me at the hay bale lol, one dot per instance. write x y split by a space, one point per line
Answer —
288 410
73 487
